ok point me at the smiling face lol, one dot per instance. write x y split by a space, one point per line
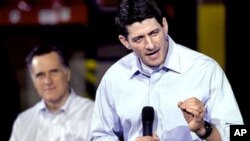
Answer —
50 78
148 41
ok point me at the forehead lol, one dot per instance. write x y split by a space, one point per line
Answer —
143 27
45 60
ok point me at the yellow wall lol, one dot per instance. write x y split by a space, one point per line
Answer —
211 31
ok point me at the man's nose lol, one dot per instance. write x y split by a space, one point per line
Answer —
149 43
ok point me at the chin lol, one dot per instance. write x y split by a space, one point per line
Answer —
155 64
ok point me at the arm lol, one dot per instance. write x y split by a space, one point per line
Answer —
194 113
15 130
154 137
220 109
208 132
105 122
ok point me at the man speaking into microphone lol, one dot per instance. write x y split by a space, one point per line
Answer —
189 95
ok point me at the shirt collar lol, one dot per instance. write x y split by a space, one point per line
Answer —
66 106
173 61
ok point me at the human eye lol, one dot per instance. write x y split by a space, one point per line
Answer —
39 75
54 71
137 39
154 32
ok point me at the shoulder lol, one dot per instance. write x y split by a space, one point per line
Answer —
32 110
193 58
122 66
26 116
84 102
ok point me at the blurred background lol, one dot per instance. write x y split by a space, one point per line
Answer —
86 30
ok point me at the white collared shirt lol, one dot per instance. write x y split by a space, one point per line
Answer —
125 89
70 123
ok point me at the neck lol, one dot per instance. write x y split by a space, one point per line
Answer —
54 106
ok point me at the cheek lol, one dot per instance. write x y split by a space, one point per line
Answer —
38 86
63 80
37 83
137 49
137 52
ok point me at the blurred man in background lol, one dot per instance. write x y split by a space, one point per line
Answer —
61 115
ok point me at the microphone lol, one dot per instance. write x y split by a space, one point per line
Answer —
147 120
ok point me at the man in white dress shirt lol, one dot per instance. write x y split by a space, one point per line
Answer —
61 115
189 92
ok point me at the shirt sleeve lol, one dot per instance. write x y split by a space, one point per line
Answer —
105 124
15 130
222 107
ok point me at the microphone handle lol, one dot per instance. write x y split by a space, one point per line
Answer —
147 128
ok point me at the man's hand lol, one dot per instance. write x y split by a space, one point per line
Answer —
148 138
194 111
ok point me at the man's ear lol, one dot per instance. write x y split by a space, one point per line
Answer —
165 25
124 41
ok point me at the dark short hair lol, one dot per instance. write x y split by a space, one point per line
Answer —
45 48
131 11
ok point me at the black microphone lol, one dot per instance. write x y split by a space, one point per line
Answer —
147 120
